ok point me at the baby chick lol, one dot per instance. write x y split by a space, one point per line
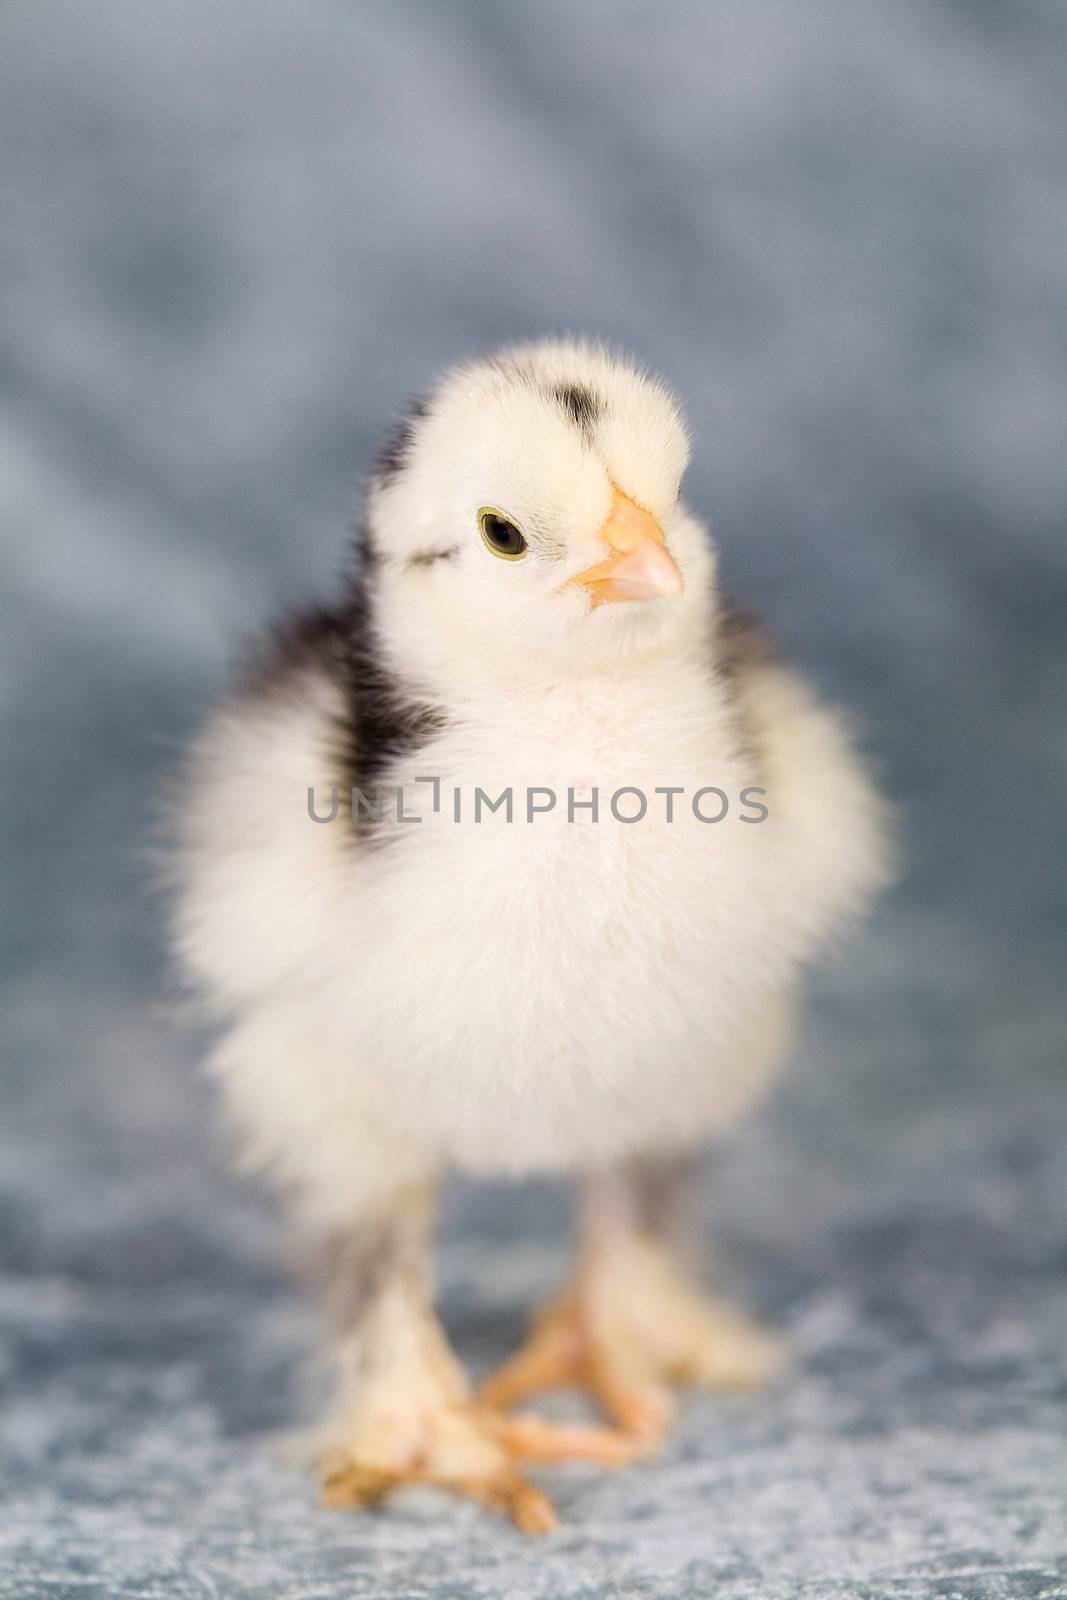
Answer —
509 863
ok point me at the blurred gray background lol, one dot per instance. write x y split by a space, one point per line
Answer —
234 238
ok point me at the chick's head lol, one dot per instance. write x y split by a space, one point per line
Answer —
527 516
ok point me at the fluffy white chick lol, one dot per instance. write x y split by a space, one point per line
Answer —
424 983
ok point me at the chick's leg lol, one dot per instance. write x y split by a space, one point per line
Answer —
632 1323
405 1412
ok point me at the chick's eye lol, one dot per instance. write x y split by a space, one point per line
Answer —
501 536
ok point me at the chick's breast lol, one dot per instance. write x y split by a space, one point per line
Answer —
525 994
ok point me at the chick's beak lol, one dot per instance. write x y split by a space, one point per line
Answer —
640 567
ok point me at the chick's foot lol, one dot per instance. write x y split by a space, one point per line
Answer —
466 1448
629 1330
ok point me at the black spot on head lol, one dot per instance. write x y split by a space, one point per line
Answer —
580 404
397 447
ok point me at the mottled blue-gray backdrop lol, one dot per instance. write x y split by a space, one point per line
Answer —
234 237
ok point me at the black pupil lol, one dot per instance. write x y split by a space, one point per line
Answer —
504 535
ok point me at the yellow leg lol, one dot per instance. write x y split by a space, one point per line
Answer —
631 1328
406 1415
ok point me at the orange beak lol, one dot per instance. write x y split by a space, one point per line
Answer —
640 567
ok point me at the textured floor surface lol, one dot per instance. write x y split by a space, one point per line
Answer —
235 238
917 1256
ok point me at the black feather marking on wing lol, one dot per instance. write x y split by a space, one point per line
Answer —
388 720
301 642
394 453
742 647
741 639
580 404
382 720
